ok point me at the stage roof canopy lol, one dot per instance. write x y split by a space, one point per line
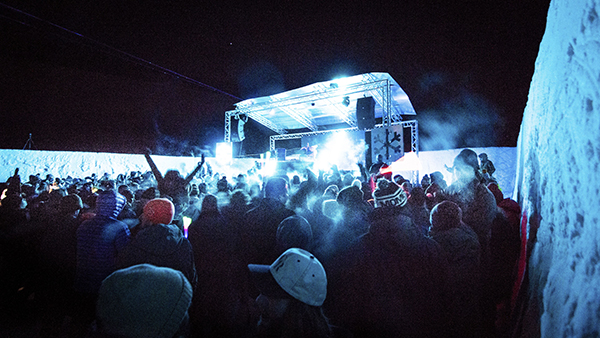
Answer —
327 105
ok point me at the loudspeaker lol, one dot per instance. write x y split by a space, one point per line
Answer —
280 154
237 128
365 113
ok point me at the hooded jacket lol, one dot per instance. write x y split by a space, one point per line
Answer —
161 245
98 242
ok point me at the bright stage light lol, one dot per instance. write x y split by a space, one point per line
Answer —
270 166
409 162
224 152
342 150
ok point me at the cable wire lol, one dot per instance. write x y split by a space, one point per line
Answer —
130 57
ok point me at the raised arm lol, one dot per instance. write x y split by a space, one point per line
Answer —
190 177
153 167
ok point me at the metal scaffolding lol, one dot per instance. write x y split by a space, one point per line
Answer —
328 107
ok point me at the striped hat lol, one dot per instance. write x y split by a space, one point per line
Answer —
389 194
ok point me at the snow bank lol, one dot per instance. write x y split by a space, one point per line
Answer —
81 164
557 173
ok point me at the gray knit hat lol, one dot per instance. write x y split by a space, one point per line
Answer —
143 301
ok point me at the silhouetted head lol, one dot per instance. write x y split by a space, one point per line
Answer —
209 204
466 165
445 215
276 188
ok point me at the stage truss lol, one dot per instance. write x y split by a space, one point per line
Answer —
327 107
413 125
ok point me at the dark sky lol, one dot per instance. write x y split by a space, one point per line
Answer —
468 58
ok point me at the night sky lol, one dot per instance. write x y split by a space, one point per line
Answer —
465 65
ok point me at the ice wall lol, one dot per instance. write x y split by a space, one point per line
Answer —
558 167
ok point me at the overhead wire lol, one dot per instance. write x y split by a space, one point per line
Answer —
119 53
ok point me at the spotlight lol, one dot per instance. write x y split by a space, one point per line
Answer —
346 101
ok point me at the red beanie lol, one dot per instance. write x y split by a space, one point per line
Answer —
159 210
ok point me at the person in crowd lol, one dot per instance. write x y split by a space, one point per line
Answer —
479 210
127 212
293 232
399 179
487 168
349 214
174 185
355 212
263 220
222 305
57 262
143 301
461 248
147 195
474 199
99 241
505 251
391 282
241 182
374 168
158 242
192 211
435 188
418 210
235 211
16 250
292 291
425 182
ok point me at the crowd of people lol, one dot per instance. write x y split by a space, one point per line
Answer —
312 254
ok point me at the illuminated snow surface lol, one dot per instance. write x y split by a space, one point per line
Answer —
81 164
557 174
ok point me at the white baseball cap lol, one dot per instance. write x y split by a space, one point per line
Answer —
297 272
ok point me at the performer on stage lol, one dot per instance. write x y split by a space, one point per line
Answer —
309 152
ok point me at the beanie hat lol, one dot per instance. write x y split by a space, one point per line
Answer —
143 301
159 211
389 194
445 215
109 203
297 272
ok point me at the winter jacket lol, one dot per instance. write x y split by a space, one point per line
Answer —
161 245
391 283
98 242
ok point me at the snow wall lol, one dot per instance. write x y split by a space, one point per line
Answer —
81 164
557 173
